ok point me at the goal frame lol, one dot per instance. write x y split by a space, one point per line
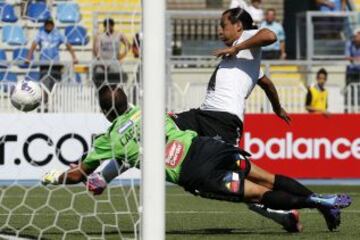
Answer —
154 83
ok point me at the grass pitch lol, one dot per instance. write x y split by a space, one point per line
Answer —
72 213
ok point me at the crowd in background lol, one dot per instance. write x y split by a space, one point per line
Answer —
111 47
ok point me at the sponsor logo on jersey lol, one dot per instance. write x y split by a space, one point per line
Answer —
302 148
126 126
173 153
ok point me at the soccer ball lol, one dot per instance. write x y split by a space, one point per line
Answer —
26 96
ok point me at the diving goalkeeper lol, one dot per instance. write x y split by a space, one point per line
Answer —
203 166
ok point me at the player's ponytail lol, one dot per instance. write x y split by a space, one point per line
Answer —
241 15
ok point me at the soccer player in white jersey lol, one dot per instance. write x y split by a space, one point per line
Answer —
222 112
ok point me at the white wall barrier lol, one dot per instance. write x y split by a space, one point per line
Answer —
31 144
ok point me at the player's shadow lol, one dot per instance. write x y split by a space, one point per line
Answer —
223 231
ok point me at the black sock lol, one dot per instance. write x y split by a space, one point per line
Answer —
289 185
284 201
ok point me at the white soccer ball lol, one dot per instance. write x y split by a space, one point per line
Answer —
26 96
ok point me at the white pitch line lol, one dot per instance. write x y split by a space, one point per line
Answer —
8 237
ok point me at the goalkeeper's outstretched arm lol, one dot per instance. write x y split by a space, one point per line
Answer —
96 182
74 175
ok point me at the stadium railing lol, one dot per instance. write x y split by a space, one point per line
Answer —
322 35
193 32
352 98
187 84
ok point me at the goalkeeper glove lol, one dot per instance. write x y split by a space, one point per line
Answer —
51 177
96 183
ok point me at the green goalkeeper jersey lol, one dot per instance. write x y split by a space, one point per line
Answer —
121 140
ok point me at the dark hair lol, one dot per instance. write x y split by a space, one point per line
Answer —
322 71
49 21
108 21
240 15
113 101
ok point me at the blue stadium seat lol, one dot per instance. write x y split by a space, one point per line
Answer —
76 35
38 12
20 54
7 13
32 76
68 13
7 79
8 76
13 35
3 58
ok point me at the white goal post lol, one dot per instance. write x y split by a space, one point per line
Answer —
153 174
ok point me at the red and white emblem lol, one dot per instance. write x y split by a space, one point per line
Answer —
173 153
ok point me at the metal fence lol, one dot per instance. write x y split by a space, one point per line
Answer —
193 32
352 98
78 98
187 84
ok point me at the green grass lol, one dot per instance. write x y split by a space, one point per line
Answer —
30 212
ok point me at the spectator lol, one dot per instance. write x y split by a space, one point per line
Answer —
353 70
49 39
317 96
331 5
277 49
329 27
254 9
107 48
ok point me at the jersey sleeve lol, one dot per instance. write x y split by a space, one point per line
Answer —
252 53
261 74
101 151
250 33
281 33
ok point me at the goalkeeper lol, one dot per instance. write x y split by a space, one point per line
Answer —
201 165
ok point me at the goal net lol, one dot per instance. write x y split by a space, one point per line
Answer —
62 130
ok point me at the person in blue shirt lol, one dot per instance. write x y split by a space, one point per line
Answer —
49 40
277 49
331 5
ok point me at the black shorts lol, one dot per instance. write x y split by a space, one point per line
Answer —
207 164
221 125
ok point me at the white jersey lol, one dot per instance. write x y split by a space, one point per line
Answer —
234 79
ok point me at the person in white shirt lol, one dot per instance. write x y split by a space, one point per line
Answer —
254 9
107 50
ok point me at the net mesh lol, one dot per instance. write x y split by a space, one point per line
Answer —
61 130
